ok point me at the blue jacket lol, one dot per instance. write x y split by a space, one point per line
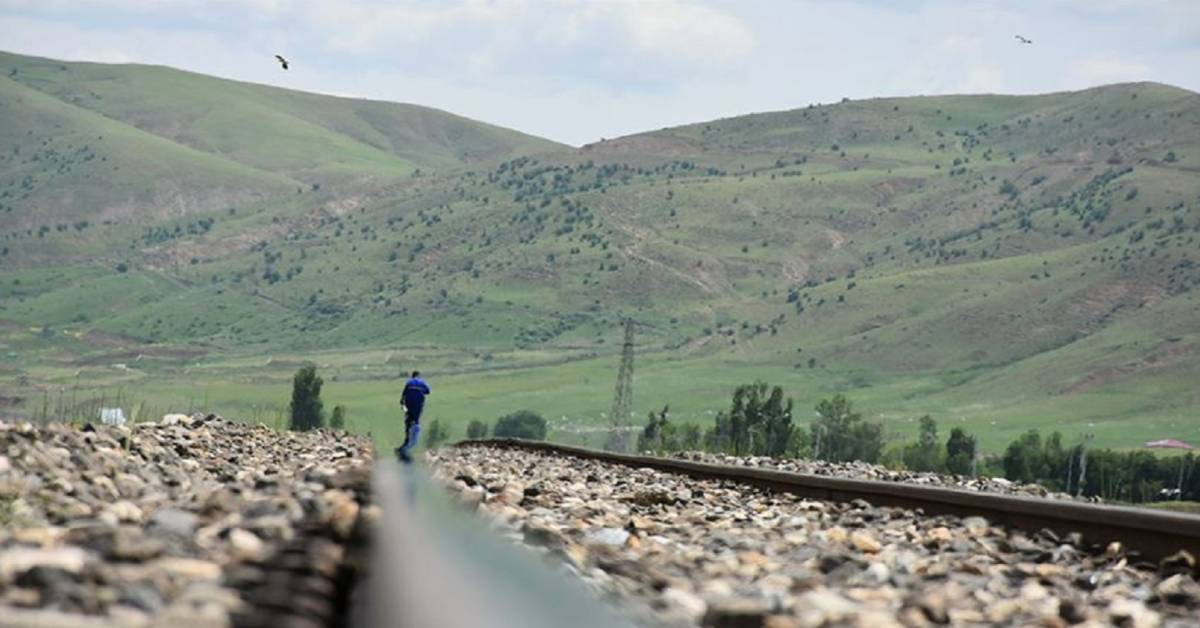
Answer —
414 393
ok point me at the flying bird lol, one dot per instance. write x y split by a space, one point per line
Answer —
283 62
1019 38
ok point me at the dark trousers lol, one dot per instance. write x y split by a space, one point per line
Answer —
412 428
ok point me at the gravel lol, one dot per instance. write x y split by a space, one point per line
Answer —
866 471
162 523
683 552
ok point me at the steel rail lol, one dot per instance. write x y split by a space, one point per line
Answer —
435 565
1153 534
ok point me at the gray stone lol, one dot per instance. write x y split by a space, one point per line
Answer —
173 521
142 596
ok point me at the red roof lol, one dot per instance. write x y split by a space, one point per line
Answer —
1170 443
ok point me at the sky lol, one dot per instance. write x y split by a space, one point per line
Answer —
577 71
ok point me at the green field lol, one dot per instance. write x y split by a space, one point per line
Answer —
575 396
999 262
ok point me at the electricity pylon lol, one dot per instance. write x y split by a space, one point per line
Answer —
618 437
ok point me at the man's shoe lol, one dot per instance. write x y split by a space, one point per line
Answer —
404 457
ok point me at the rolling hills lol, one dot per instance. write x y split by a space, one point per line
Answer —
164 126
1006 261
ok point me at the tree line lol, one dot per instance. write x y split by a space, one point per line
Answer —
760 422
1130 476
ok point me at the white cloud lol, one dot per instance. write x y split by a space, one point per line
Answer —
1111 69
678 31
661 42
984 78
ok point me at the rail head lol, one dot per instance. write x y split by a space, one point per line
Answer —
1155 534
435 565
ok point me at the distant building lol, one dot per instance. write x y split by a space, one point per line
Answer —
112 416
1168 443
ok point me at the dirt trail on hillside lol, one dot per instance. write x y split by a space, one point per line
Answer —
708 277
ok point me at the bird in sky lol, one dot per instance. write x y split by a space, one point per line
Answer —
1019 38
283 62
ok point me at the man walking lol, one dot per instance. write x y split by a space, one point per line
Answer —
413 400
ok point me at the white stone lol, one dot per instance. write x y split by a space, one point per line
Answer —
688 604
245 545
613 537
18 560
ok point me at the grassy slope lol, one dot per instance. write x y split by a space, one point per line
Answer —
862 247
63 164
309 136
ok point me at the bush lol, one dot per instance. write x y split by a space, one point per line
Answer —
1009 189
338 419
436 435
477 429
923 455
661 435
523 424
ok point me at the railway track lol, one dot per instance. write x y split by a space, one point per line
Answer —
1153 534
675 542
685 543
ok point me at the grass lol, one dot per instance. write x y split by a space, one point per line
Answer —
575 397
357 137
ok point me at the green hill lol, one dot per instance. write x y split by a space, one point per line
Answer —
1006 261
271 128
250 141
62 164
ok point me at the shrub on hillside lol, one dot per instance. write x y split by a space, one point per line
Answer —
1009 189
522 424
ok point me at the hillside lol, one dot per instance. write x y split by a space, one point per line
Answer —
95 135
995 259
